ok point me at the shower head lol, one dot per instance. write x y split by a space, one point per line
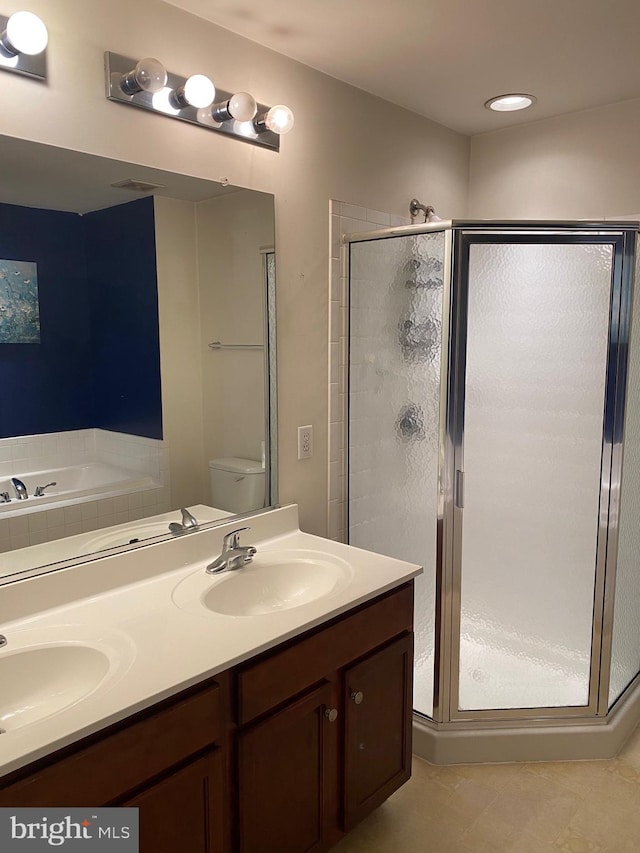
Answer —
429 213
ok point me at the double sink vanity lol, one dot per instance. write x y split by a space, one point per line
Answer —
261 710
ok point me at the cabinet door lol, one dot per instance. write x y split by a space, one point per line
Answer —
378 713
287 778
184 811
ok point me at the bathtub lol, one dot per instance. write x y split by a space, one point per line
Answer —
74 484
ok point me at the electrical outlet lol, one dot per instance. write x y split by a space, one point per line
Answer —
305 442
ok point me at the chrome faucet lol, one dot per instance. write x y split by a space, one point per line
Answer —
233 555
189 524
21 489
39 492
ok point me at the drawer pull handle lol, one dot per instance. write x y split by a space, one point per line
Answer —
357 696
331 714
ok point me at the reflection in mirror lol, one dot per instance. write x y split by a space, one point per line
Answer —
137 355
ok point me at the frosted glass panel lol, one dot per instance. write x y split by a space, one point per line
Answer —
625 653
538 322
396 289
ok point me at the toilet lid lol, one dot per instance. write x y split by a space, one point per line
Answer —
237 465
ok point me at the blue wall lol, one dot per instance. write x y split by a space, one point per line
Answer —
121 276
98 360
47 387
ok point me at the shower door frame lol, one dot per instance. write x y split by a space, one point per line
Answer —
448 576
446 709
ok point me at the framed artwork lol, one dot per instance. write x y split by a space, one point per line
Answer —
19 312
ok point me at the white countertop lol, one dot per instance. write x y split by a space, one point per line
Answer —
125 607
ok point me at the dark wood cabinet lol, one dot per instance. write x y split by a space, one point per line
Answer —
281 754
377 728
303 780
286 772
185 811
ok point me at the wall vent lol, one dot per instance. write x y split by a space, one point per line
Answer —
137 186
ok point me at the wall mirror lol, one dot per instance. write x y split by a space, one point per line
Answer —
137 355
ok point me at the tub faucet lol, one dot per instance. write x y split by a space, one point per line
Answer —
39 492
189 523
21 489
233 556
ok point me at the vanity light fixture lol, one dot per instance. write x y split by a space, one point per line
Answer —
23 44
147 84
510 103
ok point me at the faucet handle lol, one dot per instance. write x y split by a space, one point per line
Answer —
189 521
232 540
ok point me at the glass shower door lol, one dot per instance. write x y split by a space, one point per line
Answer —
531 468
395 351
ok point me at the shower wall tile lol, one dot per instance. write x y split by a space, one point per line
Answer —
354 211
334 239
378 217
353 226
345 218
336 281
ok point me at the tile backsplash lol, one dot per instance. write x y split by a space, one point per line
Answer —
143 457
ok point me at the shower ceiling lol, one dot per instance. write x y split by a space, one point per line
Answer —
443 60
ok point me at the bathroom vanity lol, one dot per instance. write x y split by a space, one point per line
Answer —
299 726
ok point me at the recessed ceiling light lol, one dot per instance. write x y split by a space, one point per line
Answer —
509 103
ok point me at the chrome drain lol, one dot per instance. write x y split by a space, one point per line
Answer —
3 640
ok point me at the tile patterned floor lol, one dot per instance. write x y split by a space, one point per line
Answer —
578 807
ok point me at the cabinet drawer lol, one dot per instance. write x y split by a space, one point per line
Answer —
280 675
124 759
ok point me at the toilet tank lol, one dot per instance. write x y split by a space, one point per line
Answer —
237 485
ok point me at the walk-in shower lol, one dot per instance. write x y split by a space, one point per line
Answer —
488 400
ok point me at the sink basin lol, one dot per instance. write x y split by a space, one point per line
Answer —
272 582
135 531
38 682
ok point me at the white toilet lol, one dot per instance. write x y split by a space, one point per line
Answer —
237 485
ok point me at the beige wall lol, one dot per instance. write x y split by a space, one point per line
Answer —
346 144
231 231
576 166
211 287
180 349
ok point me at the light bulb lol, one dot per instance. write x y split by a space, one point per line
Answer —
25 33
279 119
163 102
242 106
8 61
199 91
149 75
244 128
204 117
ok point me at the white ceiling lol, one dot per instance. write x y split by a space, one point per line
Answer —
445 58
36 175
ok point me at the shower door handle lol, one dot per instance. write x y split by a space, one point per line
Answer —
459 490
